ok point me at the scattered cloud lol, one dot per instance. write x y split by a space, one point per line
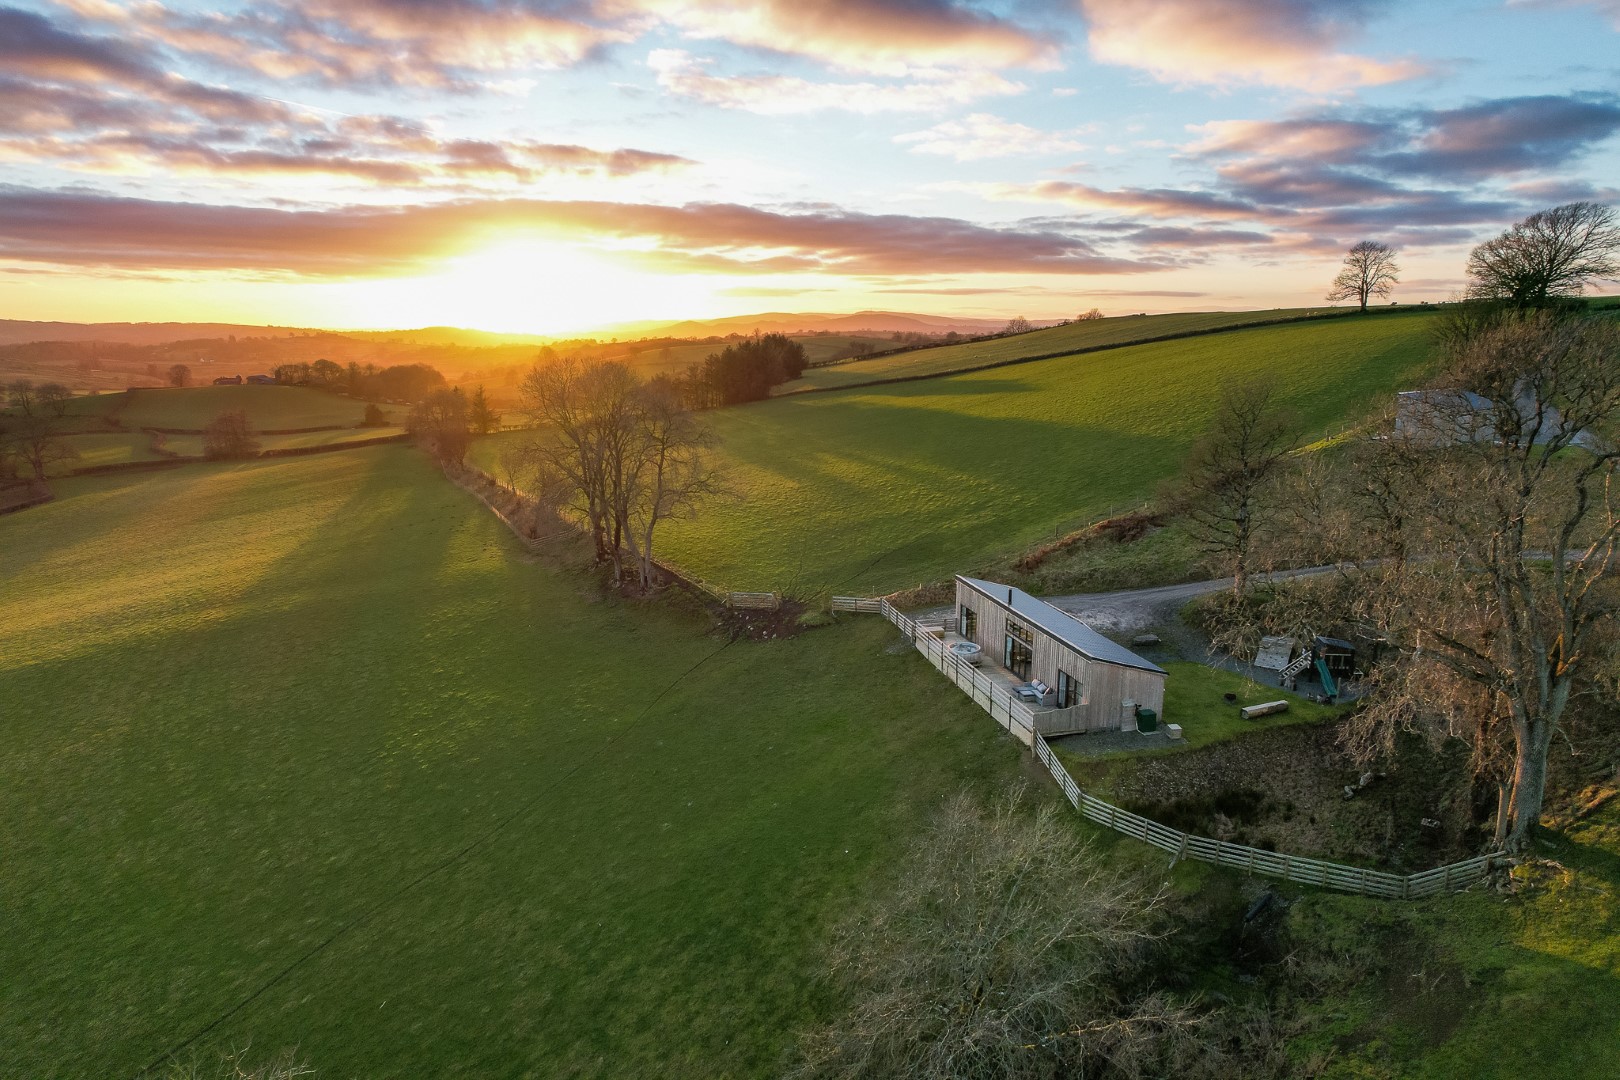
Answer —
1610 9
681 73
1292 43
101 231
1145 202
979 136
86 101
876 37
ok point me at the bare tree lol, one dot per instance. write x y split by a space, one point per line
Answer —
1017 325
1369 270
439 423
1510 525
22 396
236 1066
179 375
630 455
1005 947
1094 313
55 398
229 436
1550 255
35 444
570 400
1228 476
673 470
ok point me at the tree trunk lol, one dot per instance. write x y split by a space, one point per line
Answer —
1529 784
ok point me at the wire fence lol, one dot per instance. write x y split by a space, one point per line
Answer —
1020 722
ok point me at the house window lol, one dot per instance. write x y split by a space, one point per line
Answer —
968 626
1068 691
1017 656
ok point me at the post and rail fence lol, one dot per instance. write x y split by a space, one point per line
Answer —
1020 721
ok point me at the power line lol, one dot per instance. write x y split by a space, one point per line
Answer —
370 912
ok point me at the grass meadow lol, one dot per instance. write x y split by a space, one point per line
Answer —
246 703
866 491
253 708
1088 334
267 407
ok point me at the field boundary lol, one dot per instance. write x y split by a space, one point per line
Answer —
1082 351
481 480
1304 870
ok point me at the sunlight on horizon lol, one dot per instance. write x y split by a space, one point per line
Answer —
526 286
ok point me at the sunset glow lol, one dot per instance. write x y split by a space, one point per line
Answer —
510 165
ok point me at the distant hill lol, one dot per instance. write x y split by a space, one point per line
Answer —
22 331
781 322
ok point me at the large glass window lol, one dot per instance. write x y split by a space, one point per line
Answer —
1068 691
968 625
1016 655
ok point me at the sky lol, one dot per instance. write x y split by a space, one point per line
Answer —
556 166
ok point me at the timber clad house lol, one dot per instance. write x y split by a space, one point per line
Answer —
1103 682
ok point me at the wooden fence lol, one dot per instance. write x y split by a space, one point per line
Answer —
1003 707
754 601
1021 723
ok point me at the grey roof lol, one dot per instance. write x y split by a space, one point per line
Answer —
1061 625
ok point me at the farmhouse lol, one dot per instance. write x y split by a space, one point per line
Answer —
228 380
1099 685
262 380
1439 417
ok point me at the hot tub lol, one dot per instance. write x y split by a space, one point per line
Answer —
966 651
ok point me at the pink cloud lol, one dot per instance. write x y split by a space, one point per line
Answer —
1292 43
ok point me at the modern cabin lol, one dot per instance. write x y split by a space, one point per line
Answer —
1033 640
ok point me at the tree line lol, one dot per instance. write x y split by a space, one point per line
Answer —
746 370
400 382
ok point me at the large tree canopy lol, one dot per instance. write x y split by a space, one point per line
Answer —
1551 255
1369 270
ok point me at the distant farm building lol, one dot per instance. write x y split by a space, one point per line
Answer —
1106 685
1443 417
262 380
228 380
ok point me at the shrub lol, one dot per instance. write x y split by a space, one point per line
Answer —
228 436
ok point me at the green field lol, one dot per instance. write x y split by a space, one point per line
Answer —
191 445
109 448
865 491
245 703
272 407
1090 334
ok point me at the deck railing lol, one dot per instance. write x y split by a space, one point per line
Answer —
1022 723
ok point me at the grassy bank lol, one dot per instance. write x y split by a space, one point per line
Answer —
872 490
1089 334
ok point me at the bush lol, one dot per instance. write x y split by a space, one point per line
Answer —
1006 947
228 436
375 417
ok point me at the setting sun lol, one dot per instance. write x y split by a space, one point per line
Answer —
527 286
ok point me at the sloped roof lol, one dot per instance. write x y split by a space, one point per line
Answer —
1060 625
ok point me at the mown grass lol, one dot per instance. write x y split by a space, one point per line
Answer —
1090 334
245 703
273 407
192 445
866 491
1194 698
106 448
